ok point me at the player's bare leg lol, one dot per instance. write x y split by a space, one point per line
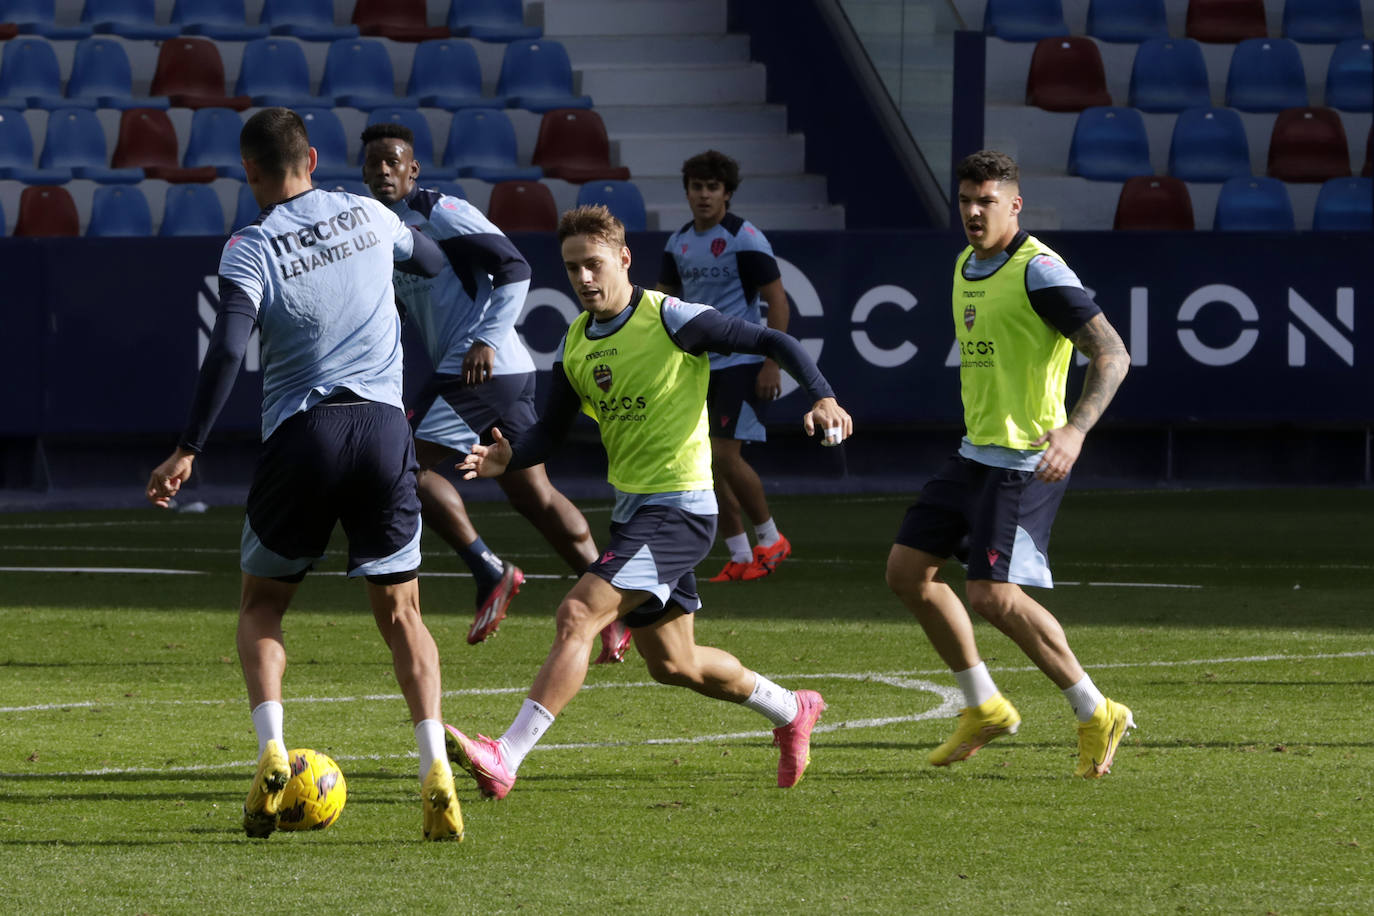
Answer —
262 655
415 657
1033 628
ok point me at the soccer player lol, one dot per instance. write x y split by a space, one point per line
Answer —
723 260
1019 313
313 273
636 361
483 376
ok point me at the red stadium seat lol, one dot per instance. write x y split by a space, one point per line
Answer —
191 73
572 145
1066 74
1154 203
1308 145
399 20
148 140
522 206
1224 21
46 210
8 30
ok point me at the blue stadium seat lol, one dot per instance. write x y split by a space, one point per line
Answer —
1127 20
351 185
1169 74
222 20
75 140
1350 76
622 198
1253 205
1024 20
308 20
275 72
120 210
536 75
192 209
17 154
446 74
214 141
246 209
102 78
1322 20
481 144
39 17
1345 205
451 188
491 20
424 139
1109 144
29 75
326 134
133 19
1209 144
1266 74
358 74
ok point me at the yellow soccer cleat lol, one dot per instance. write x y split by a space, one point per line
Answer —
1099 737
264 795
443 816
977 726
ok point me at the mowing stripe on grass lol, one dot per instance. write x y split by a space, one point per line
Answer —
104 570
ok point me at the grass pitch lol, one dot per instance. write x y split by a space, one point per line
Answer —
1239 626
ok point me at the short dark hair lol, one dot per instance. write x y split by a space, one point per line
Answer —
712 166
388 130
276 140
595 221
988 165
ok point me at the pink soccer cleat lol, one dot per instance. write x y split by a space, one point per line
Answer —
482 759
794 738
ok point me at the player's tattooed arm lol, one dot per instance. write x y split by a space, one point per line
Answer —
1107 365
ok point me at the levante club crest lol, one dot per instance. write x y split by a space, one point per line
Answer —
970 313
602 376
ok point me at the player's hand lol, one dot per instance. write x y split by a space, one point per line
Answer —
478 363
487 460
1063 443
168 477
831 419
768 386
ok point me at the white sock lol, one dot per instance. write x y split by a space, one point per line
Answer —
1084 697
976 684
777 703
429 738
767 533
738 545
267 723
524 733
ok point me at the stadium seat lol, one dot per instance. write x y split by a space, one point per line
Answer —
1345 205
39 17
1368 169
481 144
190 73
351 185
522 206
1024 20
46 210
1308 145
29 76
1266 74
308 20
446 74
1066 74
424 139
222 20
326 134
536 75
8 30
1225 21
451 188
76 141
192 209
147 140
102 78
1253 205
399 20
214 141
491 20
246 209
2 208
1350 76
1169 74
358 74
1327 21
1154 203
17 153
1209 144
133 19
1127 20
119 210
1109 144
573 145
275 72
622 198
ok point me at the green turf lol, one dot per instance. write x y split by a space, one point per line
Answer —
125 743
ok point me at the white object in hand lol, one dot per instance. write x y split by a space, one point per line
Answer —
832 435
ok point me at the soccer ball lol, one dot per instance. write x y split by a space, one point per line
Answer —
315 794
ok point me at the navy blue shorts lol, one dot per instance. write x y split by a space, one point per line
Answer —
1001 517
657 551
350 462
456 415
732 406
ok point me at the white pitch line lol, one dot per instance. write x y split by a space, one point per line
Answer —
1131 584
